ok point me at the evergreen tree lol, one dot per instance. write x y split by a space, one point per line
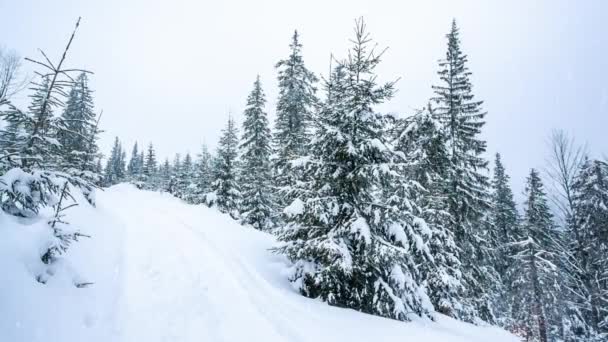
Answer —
535 264
150 168
115 166
353 244
79 133
134 168
203 176
462 120
294 112
184 179
226 195
588 245
421 139
165 173
504 229
256 206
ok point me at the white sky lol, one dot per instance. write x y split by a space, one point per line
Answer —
170 71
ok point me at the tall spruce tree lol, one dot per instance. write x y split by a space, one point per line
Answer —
150 168
462 120
422 141
536 265
226 194
115 166
164 174
184 179
588 244
203 176
294 111
78 136
256 205
504 231
134 168
352 243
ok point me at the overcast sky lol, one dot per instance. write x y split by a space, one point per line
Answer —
170 71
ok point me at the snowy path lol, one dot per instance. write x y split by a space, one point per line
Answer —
192 274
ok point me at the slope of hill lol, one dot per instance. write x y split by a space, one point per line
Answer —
167 271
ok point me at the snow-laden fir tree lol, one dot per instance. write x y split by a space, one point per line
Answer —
33 160
115 167
226 194
588 243
294 111
135 168
176 170
255 176
78 136
184 179
203 176
421 139
462 119
352 243
164 174
535 263
504 230
150 168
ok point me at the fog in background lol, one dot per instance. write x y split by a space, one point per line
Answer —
169 72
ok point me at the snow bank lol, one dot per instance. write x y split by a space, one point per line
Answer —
186 273
58 311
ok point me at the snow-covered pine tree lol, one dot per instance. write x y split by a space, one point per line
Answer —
294 111
115 167
589 246
150 169
203 176
164 174
535 265
505 230
184 179
421 139
33 181
467 191
78 137
255 176
134 169
353 243
226 194
176 170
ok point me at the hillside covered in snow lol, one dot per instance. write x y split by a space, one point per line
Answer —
163 270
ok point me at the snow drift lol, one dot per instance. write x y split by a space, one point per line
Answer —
167 271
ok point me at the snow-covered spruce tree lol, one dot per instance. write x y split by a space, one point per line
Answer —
115 167
184 178
226 193
352 243
164 174
421 139
150 169
135 167
535 263
590 202
203 176
78 137
255 175
34 180
505 230
462 119
294 111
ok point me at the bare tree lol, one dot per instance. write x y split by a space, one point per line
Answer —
10 82
564 161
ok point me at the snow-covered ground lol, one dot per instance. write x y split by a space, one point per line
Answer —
167 271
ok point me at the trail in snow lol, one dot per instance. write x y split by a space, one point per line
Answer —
193 274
